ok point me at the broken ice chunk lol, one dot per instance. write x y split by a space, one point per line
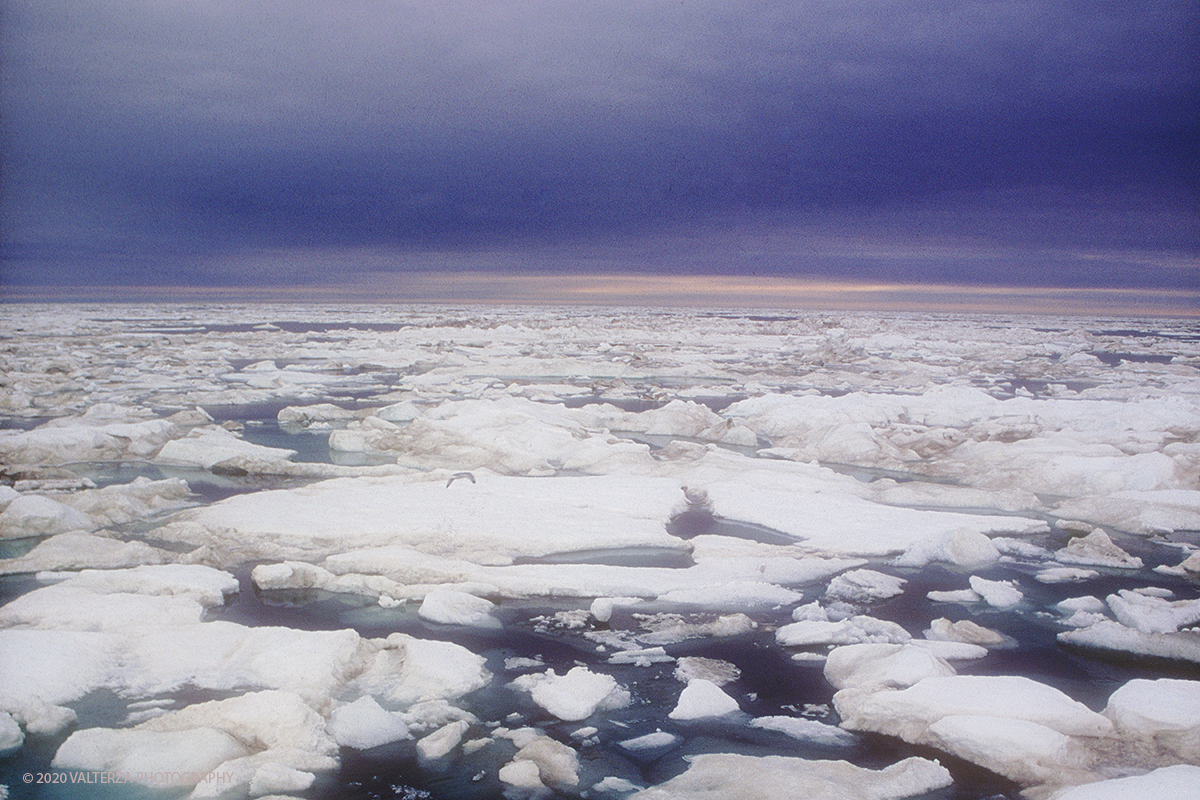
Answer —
806 730
441 742
700 699
35 515
998 594
956 596
659 740
452 607
1097 549
966 631
364 724
770 777
710 669
1150 614
1175 781
576 695
1065 574
864 586
963 548
848 631
877 666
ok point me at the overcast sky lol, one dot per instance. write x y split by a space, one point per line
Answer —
257 143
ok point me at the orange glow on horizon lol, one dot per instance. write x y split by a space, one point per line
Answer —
626 289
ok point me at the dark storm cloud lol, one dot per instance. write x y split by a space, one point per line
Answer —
155 141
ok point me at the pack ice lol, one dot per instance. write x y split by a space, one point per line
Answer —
479 552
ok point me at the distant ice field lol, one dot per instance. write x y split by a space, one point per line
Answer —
482 552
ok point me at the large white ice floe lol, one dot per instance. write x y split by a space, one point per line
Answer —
141 633
908 711
104 433
1161 716
1113 636
841 522
1146 625
999 594
78 550
854 630
1097 550
259 738
1155 511
1176 782
701 699
88 509
1024 730
1150 614
401 573
575 695
316 417
714 776
364 724
213 446
450 607
37 515
508 436
493 520
513 472
882 666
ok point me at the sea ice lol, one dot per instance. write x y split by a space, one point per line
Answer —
1097 550
1164 713
1064 574
878 666
1144 512
998 594
1176 782
854 630
716 776
1108 635
659 740
908 712
364 724
104 433
714 670
491 522
806 730
700 699
488 390
864 586
11 735
955 596
76 550
966 631
557 766
1150 614
962 548
127 502
576 695
317 417
37 515
214 446
442 741
450 607
238 736
1026 752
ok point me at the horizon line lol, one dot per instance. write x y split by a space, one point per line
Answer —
633 289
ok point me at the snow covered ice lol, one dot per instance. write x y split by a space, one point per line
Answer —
375 552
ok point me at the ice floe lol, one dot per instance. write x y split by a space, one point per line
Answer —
656 522
576 695
718 775
702 698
